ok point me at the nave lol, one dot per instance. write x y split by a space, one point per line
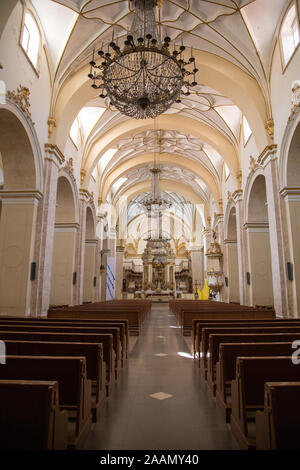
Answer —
160 362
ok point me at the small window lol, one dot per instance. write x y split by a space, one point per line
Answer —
289 34
31 39
246 130
74 132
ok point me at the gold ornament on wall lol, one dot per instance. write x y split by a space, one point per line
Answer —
295 98
69 165
51 125
21 98
270 128
253 165
82 176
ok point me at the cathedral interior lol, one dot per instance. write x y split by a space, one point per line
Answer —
189 190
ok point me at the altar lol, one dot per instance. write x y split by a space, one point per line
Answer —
163 296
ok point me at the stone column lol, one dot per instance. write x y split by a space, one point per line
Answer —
97 272
53 160
80 248
279 273
64 279
231 271
150 273
206 240
261 288
89 279
197 265
17 243
119 271
167 274
241 245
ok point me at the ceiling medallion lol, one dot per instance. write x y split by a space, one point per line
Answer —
145 77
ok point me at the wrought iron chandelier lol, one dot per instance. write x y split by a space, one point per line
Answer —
146 77
154 204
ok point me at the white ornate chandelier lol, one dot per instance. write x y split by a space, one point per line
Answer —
146 77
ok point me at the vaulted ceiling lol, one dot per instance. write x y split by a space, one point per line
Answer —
231 37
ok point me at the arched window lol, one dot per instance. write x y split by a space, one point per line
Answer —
289 34
246 130
31 39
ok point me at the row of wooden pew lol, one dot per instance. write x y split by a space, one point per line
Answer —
58 371
250 368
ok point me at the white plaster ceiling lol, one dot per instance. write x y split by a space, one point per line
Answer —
168 172
241 31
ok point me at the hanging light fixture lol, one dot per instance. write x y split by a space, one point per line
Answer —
146 77
154 204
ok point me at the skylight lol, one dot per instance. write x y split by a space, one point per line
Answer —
31 39
289 34
246 130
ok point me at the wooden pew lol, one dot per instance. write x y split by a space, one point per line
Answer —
216 340
248 392
114 331
74 388
136 311
198 325
209 363
134 318
105 338
30 416
93 353
277 427
226 366
121 324
186 311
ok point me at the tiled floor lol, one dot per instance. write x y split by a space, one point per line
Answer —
160 401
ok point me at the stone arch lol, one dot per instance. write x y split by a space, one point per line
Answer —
21 154
216 72
65 237
165 122
89 256
166 158
20 197
231 267
290 167
259 249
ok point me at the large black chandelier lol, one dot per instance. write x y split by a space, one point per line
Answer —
146 76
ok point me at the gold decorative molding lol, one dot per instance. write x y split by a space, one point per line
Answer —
237 195
295 99
53 150
253 164
267 152
239 177
21 98
99 201
229 197
51 125
220 202
270 127
87 196
82 176
69 165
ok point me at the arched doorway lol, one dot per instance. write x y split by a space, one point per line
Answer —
20 198
89 280
232 290
259 277
63 277
292 200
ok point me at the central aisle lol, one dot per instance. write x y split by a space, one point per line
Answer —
187 417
